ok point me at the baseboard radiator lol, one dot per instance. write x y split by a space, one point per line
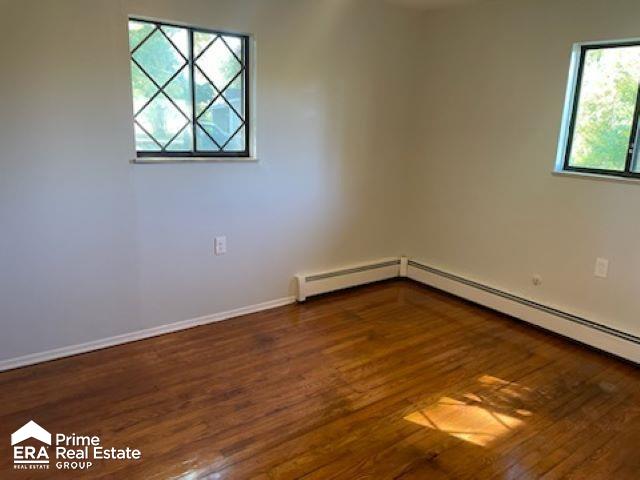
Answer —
583 330
317 283
586 331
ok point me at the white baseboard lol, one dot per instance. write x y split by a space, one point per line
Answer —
585 331
139 335
591 333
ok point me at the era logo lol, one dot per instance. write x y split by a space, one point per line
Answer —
25 455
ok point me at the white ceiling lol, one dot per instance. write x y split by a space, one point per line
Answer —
432 4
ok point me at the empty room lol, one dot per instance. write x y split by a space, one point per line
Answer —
319 239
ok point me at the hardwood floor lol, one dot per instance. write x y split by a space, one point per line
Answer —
392 380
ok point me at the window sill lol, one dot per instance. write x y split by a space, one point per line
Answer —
155 160
595 176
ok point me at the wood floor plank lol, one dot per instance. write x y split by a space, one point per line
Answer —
388 381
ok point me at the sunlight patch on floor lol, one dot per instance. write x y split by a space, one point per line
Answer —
474 418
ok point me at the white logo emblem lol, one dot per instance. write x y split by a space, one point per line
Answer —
28 456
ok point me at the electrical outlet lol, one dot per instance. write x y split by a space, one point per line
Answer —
602 268
536 280
220 245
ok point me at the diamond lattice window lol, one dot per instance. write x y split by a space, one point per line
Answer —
190 95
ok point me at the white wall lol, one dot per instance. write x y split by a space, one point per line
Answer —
92 246
381 131
483 201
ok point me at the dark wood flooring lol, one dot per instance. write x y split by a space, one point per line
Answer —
392 380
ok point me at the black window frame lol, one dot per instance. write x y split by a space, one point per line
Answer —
245 64
633 138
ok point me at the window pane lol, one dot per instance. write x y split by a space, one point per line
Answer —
162 120
158 57
143 88
201 41
161 85
606 106
170 106
144 142
237 143
179 38
219 92
219 64
221 122
138 31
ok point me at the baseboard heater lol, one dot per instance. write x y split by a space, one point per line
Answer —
602 337
586 331
331 280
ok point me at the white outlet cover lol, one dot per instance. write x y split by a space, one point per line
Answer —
220 245
602 268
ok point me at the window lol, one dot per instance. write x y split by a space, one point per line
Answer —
190 95
602 135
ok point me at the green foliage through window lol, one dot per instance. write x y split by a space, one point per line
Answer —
603 135
189 90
